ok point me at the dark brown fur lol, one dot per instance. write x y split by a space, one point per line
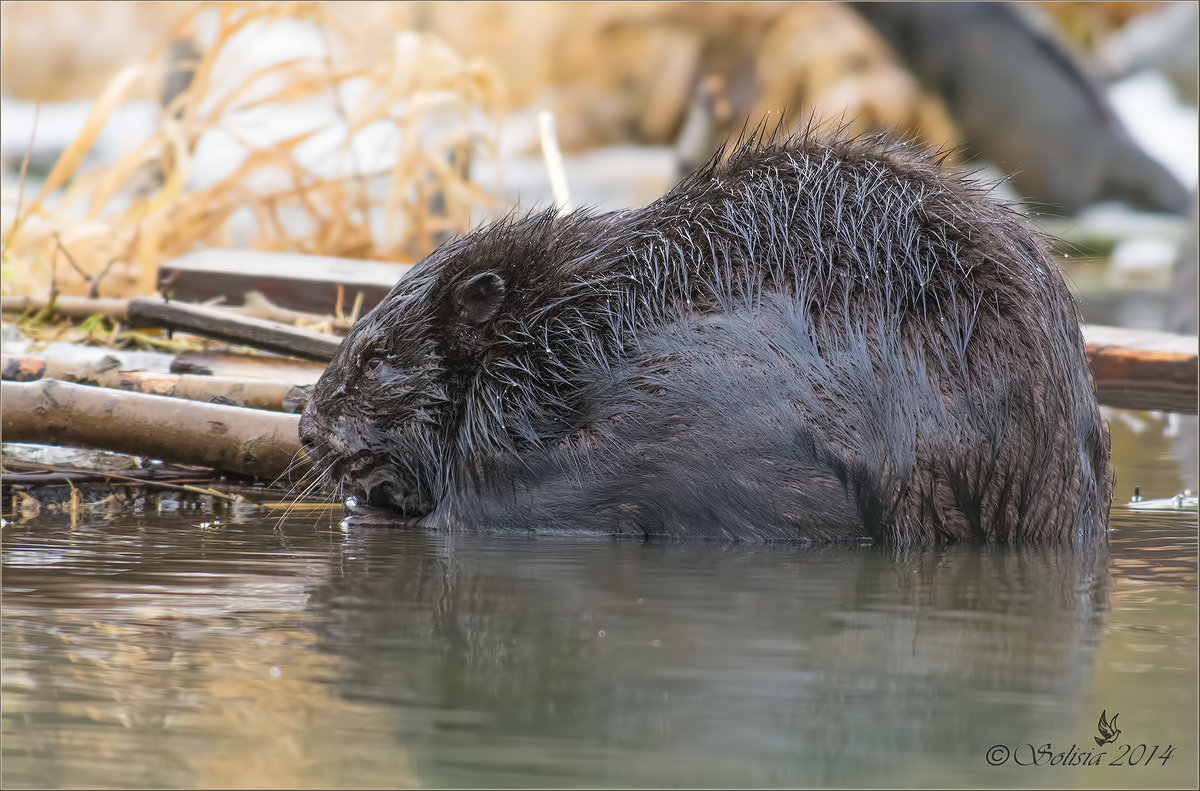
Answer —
814 339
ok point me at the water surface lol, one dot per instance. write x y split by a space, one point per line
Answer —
168 650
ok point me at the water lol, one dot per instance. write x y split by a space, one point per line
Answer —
164 651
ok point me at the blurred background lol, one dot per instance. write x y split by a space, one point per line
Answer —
135 132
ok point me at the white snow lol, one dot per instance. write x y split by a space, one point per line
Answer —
1167 128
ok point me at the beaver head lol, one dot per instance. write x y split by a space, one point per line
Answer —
421 384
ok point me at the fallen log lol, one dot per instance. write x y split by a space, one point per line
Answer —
250 393
250 442
1143 369
220 325
62 351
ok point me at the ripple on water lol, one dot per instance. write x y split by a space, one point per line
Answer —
157 653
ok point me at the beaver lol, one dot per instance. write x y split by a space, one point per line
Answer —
813 338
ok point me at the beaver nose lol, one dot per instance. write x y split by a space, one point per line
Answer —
341 434
307 430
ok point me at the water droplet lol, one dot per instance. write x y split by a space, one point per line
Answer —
275 672
656 643
601 633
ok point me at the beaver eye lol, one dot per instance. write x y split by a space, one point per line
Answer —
370 364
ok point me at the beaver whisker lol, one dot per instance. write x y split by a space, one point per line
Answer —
315 483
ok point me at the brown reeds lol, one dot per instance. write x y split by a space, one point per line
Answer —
609 72
304 191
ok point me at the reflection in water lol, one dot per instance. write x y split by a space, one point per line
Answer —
166 655
1144 444
169 654
688 665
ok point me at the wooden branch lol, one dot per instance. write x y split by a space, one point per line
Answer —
138 478
259 307
246 366
250 442
197 480
73 353
68 306
220 325
1143 369
256 306
548 131
250 393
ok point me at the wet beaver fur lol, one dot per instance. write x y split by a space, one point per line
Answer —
812 339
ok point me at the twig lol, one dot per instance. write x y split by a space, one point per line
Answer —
302 506
554 162
258 306
94 288
68 306
37 109
93 281
111 478
70 258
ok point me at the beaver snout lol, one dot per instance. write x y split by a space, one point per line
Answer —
342 436
326 448
346 453
307 432
319 440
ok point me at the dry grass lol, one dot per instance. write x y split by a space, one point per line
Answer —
66 51
611 73
409 90
1085 23
624 72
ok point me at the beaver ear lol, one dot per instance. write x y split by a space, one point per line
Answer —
478 299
